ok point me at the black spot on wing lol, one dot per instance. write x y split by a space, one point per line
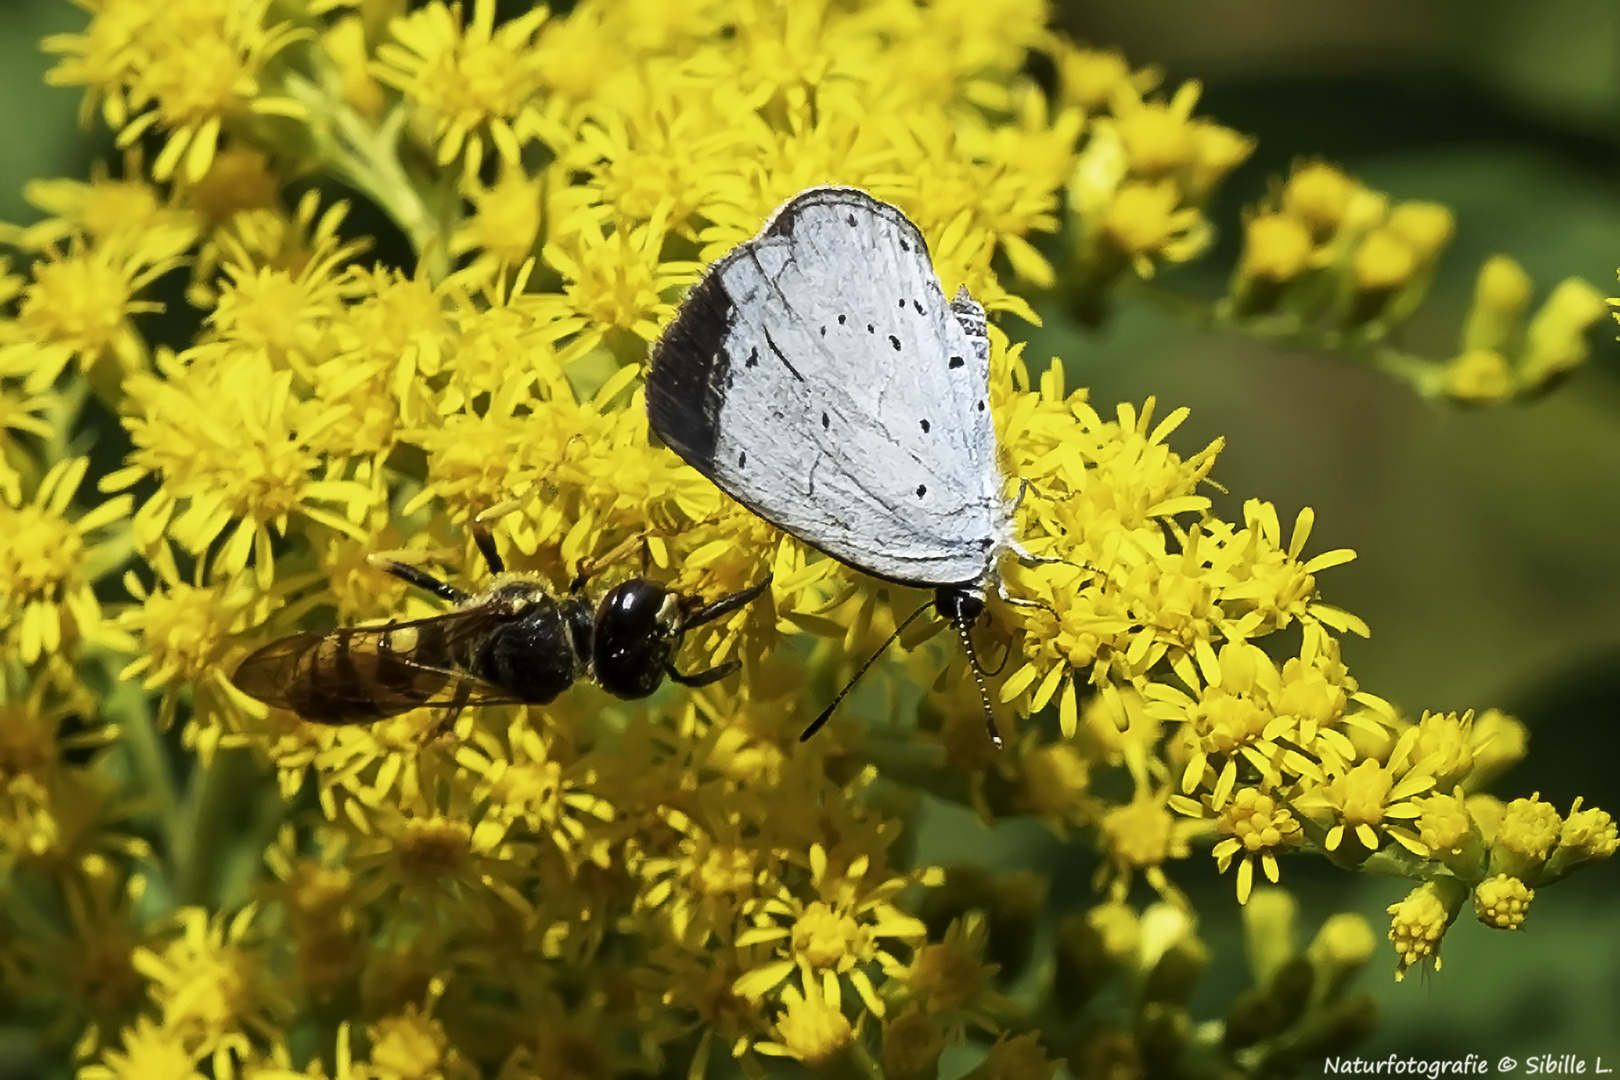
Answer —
841 319
753 357
825 423
924 426
922 489
895 342
918 305
690 371
956 362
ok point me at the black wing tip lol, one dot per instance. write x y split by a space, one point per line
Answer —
688 370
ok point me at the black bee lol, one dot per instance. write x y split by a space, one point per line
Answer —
514 643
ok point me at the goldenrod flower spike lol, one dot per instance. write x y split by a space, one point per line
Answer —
596 887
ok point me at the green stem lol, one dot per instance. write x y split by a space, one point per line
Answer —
221 797
131 705
367 157
1423 375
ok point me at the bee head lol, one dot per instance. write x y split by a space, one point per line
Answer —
638 629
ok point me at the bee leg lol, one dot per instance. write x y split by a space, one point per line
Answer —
420 578
483 519
704 678
486 545
588 567
446 724
724 606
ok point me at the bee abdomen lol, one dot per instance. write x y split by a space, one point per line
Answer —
343 684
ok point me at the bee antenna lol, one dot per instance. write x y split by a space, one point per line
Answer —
723 606
826 714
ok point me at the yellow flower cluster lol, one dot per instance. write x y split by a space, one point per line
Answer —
1328 260
593 886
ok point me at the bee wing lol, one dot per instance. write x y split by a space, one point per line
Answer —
365 673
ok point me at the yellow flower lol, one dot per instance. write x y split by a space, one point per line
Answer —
528 778
471 81
1146 221
1320 195
1088 76
596 887
1495 321
448 854
189 74
50 563
854 923
228 442
812 1026
666 155
1256 825
912 1045
105 208
1555 340
694 986
716 873
1370 802
211 982
1525 837
1276 247
617 280
149 1052
284 313
1447 829
1588 836
505 223
1502 902
953 985
78 308
1019 1057
1142 835
1481 376
413 1044
1421 919
315 892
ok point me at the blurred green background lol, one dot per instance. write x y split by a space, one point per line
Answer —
1487 539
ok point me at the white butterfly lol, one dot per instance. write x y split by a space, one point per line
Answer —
818 375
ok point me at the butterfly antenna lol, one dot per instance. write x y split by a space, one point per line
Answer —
826 714
978 677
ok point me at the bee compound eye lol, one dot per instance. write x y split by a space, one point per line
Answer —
634 637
